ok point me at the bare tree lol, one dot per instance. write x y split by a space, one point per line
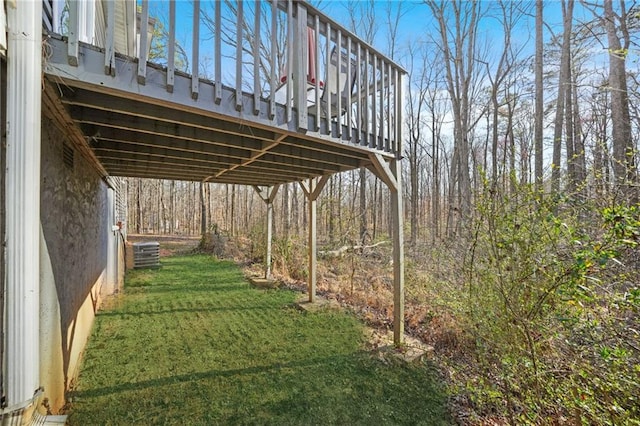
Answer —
458 25
624 167
539 102
563 81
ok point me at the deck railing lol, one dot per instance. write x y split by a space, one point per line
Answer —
280 52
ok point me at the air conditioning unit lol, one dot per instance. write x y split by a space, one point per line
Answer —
146 255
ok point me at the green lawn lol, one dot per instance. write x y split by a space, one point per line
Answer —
194 343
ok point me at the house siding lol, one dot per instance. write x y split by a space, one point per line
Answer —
74 244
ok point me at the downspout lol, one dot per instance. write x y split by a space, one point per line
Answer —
22 350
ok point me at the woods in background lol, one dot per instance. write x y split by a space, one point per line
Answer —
521 153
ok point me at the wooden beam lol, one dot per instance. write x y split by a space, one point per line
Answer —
56 111
382 170
268 197
162 143
150 126
254 155
152 111
112 104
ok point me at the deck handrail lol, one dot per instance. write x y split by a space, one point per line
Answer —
370 115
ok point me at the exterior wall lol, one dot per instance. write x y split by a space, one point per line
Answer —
76 236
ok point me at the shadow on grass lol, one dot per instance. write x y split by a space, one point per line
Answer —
159 382
187 310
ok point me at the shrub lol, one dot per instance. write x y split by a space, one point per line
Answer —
552 305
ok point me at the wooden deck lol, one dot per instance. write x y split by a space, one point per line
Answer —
142 119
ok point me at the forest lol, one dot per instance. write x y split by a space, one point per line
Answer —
521 195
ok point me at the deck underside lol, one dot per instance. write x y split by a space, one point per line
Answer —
143 130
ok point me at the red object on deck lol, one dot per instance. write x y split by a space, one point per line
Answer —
311 63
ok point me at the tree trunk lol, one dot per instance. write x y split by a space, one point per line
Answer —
563 80
624 168
539 101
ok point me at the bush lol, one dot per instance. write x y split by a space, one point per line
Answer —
290 258
551 302
213 242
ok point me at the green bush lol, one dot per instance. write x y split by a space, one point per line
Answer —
551 300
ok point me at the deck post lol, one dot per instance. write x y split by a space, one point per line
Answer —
398 255
391 175
268 196
24 100
312 189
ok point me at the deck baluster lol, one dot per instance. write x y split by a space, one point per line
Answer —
289 66
74 30
218 53
256 59
142 47
349 88
301 63
109 50
382 109
239 36
273 60
389 115
195 61
339 87
367 107
374 102
359 81
171 49
328 67
317 72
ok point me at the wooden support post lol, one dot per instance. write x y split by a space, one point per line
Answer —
268 196
312 190
391 175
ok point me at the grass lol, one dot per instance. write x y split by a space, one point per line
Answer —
194 343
